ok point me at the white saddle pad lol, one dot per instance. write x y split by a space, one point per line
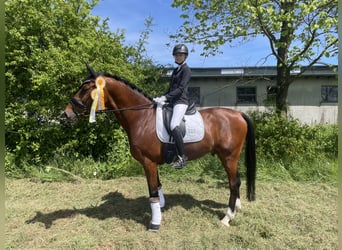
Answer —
194 127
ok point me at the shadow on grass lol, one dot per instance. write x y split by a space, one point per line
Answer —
116 205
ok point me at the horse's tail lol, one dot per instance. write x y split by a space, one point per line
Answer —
250 158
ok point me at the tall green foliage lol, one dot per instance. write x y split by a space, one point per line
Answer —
48 43
288 140
299 33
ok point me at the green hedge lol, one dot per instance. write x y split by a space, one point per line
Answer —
285 148
286 138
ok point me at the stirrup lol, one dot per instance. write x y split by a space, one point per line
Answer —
180 162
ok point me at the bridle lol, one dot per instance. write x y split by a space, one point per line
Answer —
79 105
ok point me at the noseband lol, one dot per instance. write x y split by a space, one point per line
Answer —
77 103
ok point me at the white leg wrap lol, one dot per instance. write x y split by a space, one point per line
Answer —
156 213
229 216
161 198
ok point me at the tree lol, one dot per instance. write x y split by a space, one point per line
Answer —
299 32
48 43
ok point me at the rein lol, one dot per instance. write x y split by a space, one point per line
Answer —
138 107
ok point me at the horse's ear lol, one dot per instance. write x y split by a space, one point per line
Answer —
91 71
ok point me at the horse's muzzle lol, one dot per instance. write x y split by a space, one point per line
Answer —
63 118
68 115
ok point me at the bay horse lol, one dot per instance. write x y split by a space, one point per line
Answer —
226 132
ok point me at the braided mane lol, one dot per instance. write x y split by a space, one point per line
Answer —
129 84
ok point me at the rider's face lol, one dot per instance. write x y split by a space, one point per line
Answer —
180 58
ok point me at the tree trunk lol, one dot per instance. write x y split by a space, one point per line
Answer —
283 69
283 83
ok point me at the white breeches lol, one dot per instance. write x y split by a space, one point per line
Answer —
178 114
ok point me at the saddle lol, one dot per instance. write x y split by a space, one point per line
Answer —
167 116
192 128
192 124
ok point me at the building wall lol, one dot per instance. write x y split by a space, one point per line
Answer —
304 96
306 103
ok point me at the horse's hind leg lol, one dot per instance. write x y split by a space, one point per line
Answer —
160 193
231 167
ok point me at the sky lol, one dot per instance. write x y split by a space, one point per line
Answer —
130 16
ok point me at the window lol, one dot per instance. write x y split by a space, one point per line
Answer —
246 94
329 93
194 94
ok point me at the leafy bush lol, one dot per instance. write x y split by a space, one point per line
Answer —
325 138
278 137
42 73
67 146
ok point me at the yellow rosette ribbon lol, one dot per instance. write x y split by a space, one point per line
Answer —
98 98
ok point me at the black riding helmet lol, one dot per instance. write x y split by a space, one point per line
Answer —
180 49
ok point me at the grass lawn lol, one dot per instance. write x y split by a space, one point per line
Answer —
114 214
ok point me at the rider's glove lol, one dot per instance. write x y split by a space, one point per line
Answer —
161 99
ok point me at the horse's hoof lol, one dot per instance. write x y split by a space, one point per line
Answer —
153 228
225 221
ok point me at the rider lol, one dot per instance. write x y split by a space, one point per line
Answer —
177 96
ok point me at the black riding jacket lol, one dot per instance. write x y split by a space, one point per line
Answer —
178 89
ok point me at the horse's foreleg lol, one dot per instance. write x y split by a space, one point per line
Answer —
234 185
156 205
155 191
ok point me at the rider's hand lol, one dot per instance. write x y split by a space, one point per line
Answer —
161 99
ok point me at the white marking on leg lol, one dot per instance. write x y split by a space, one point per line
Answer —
225 221
238 204
156 213
161 198
230 213
229 216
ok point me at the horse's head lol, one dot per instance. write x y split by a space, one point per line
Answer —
80 103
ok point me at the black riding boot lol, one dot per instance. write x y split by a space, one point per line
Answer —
181 158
